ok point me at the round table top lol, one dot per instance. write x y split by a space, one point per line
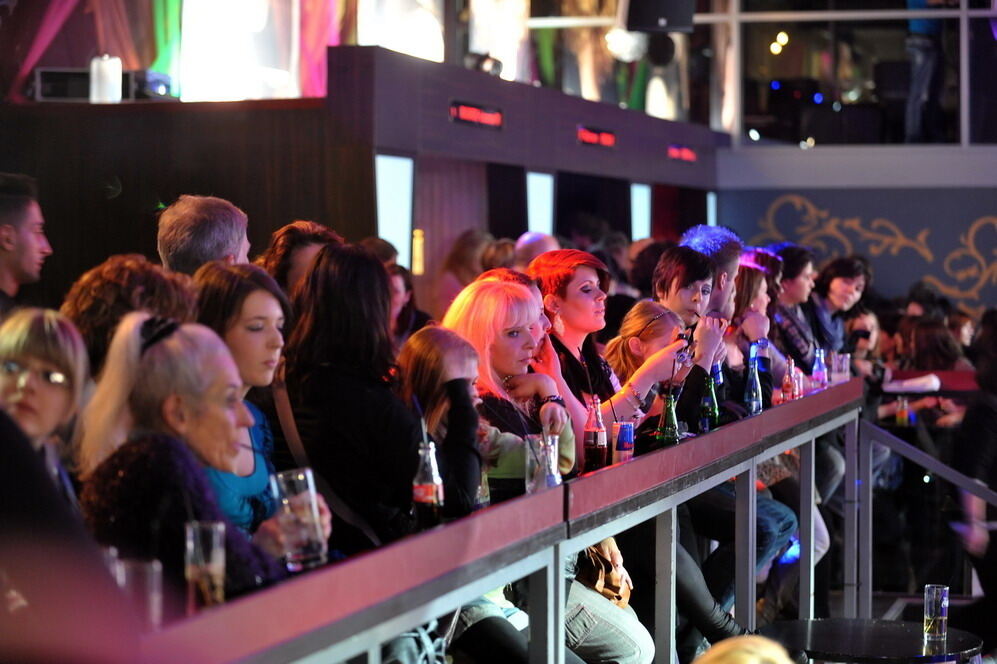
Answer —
862 640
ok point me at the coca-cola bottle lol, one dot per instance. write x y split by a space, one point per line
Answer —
596 448
427 488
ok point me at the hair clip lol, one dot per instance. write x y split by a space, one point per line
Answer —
155 329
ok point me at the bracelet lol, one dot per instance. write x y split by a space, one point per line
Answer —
636 395
551 399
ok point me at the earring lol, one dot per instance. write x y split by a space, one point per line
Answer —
557 324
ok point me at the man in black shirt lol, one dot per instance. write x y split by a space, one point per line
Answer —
23 245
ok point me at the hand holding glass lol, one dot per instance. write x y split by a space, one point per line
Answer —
298 515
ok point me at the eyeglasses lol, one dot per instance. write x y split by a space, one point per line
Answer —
15 368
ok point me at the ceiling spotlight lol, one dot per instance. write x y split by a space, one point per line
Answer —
782 38
776 48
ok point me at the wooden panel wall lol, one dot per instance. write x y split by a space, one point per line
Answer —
104 172
450 197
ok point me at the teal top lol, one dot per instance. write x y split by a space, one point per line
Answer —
248 501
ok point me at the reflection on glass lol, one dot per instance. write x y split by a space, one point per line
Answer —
814 83
982 82
825 5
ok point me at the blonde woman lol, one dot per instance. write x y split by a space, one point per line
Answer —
43 375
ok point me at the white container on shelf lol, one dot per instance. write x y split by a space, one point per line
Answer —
105 80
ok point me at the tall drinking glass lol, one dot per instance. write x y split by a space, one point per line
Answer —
142 582
541 462
304 542
936 612
204 564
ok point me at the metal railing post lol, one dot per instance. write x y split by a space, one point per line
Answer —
864 551
665 537
744 538
807 508
546 599
850 551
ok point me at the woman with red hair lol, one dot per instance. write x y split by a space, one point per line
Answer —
574 284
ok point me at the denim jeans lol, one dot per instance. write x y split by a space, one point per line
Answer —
713 515
600 632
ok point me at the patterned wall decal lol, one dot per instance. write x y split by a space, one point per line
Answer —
946 237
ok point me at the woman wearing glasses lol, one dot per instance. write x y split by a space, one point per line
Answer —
43 374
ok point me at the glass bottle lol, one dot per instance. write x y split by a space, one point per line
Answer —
596 447
709 411
788 385
753 384
667 433
819 372
427 488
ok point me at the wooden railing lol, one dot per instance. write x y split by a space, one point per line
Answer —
350 608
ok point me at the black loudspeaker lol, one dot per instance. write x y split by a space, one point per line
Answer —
660 15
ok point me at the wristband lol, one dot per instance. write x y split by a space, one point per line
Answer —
551 399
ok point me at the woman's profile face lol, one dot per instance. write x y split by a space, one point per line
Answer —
37 395
399 295
211 422
760 301
512 350
256 338
583 307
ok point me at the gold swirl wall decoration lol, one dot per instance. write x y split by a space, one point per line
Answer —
968 269
969 264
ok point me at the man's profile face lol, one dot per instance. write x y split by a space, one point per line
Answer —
31 246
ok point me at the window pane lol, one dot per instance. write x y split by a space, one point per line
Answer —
824 5
982 80
849 82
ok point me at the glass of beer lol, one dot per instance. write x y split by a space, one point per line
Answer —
304 542
204 564
936 612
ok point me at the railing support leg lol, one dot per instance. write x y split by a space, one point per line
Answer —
546 598
807 508
665 537
851 519
864 551
744 536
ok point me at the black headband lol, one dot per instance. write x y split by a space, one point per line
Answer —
155 329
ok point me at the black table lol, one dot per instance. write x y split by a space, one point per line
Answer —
874 641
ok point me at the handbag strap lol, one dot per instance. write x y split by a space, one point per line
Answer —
290 428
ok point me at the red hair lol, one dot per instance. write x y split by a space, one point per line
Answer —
554 270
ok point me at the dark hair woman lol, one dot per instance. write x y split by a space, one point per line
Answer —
248 310
838 288
359 436
292 248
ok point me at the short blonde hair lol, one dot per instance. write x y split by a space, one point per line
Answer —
480 312
646 320
745 650
47 335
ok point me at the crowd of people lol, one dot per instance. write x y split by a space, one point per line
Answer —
153 396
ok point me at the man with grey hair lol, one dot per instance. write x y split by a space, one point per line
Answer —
724 248
530 245
199 229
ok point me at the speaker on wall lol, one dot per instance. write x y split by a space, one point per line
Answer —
659 15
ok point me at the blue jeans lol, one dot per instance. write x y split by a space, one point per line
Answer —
713 515
600 632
